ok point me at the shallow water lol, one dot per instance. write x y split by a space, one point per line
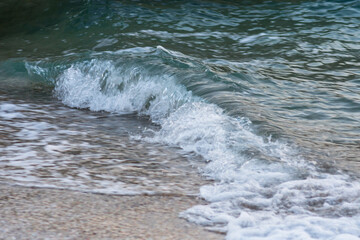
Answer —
45 144
129 97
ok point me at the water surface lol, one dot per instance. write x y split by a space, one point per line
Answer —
134 97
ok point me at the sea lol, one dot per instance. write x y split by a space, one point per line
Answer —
253 106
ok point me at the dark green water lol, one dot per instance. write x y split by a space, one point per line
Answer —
232 83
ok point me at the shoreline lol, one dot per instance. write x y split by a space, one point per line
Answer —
40 213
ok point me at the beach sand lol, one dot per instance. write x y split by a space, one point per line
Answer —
34 213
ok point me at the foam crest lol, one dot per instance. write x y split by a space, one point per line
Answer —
263 189
101 85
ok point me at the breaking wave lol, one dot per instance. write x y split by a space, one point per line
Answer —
264 188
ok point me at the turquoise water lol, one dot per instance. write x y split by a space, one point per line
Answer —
260 97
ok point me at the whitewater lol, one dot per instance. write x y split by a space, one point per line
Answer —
263 188
252 106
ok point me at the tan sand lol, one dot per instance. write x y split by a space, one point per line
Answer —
31 213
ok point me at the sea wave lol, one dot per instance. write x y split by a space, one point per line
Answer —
264 188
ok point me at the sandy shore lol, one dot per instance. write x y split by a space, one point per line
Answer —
31 213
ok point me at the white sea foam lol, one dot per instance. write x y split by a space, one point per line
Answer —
263 188
98 85
254 198
273 195
10 111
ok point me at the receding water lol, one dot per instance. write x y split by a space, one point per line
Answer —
254 105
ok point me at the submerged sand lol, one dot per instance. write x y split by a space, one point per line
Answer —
33 213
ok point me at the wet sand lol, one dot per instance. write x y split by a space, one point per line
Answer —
33 213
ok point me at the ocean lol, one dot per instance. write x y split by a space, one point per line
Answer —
253 106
